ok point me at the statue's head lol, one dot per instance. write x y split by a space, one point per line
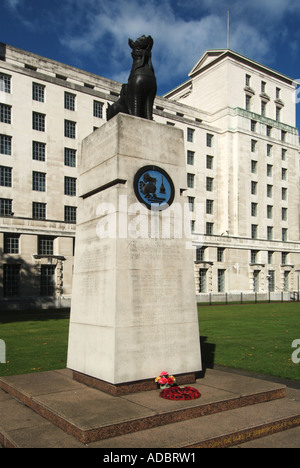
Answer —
142 43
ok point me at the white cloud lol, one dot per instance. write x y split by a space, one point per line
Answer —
178 43
182 31
13 4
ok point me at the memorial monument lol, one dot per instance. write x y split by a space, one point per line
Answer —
133 311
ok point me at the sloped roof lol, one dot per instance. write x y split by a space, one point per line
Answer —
213 56
208 57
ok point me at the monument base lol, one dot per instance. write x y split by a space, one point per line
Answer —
133 312
129 387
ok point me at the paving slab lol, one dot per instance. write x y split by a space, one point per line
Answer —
285 439
53 410
90 414
215 430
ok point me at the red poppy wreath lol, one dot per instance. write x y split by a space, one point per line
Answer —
178 393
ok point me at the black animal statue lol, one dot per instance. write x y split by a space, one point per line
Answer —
137 96
148 186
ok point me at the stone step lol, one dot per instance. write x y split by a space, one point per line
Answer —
253 426
50 409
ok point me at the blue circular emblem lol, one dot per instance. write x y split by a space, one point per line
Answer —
154 188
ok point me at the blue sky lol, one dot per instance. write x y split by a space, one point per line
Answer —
93 34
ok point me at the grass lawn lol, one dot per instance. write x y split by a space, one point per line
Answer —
254 337
34 341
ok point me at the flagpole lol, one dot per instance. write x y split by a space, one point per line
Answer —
227 29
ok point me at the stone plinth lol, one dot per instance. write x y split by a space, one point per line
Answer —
133 308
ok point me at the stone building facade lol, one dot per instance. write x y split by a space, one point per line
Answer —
242 164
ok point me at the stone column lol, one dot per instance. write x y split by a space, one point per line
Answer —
133 310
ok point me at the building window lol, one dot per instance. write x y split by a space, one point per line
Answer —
263 108
269 170
286 285
270 257
11 243
254 209
270 212
5 113
5 144
247 80
284 258
192 225
270 232
253 188
278 111
284 194
254 255
253 125
277 93
45 245
38 92
200 254
271 280
209 229
269 150
254 229
284 214
38 151
283 154
70 101
38 121
190 157
190 135
209 206
38 210
70 186
202 280
284 174
39 181
5 207
269 131
190 180
221 281
11 280
5 176
98 109
191 201
284 234
256 280
248 102
269 191
209 162
209 184
283 135
253 146
70 129
220 254
5 83
209 140
47 280
254 167
70 214
70 157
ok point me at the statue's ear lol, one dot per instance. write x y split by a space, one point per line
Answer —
150 42
131 43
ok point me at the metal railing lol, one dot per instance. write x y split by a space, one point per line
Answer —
247 297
